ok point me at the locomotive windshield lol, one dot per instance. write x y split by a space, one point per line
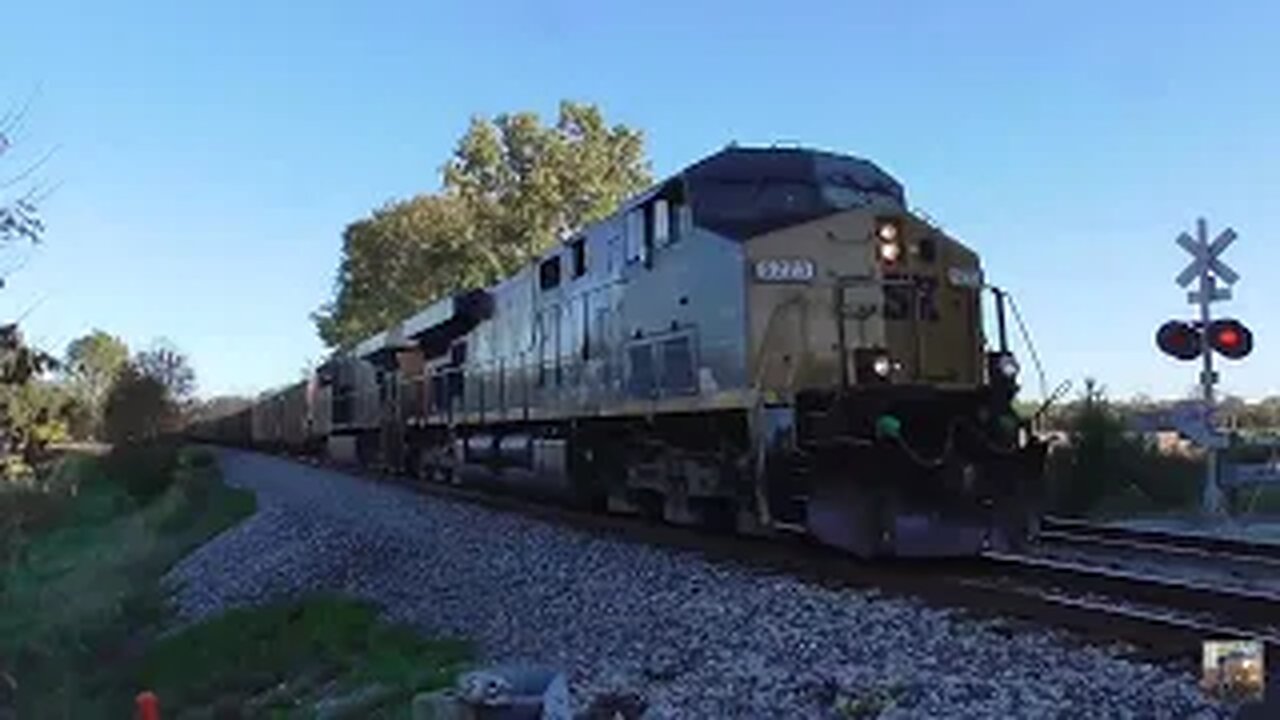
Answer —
744 192
847 184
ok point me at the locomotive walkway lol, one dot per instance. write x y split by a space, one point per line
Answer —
693 638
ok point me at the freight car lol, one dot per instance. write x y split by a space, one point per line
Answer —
768 340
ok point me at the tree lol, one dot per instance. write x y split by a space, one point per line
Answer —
92 364
512 188
526 185
34 415
1269 409
149 395
138 408
218 407
18 362
29 408
19 196
168 366
397 260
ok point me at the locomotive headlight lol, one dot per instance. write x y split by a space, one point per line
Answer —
785 270
887 231
890 251
1008 366
882 366
889 237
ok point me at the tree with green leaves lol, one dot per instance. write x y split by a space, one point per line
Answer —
512 188
31 411
150 396
34 415
218 407
138 408
526 185
170 367
403 256
92 363
19 362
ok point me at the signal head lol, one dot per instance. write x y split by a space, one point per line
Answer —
1180 340
1230 338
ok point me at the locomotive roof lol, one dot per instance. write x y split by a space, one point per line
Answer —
737 163
732 164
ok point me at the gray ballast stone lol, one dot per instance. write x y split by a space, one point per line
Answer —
689 637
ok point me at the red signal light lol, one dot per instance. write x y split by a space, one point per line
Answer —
1180 340
1230 338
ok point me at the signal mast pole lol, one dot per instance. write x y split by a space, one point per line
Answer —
1208 286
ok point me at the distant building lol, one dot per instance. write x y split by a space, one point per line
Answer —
1159 429
1171 442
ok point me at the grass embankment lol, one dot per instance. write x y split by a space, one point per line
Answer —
83 617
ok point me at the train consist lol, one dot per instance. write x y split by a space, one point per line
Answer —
767 341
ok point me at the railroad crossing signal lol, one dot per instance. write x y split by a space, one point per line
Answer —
1196 339
1185 341
1180 339
1230 338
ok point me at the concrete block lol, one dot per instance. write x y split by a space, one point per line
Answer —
516 693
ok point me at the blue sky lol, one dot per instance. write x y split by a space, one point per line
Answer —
208 157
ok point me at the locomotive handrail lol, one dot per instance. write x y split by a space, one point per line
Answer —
1031 348
795 299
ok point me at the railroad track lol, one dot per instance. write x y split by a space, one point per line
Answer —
1168 614
1159 618
1192 546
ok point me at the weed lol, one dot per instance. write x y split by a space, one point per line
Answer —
79 597
144 470
80 630
286 654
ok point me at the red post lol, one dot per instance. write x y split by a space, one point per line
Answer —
148 706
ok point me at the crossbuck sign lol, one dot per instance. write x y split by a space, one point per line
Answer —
1205 264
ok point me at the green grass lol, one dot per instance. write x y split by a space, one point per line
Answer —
284 658
78 596
1258 501
83 619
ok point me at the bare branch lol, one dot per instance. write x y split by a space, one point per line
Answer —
30 168
12 121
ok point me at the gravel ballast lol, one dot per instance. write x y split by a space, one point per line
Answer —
693 638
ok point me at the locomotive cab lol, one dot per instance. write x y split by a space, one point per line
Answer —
886 426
